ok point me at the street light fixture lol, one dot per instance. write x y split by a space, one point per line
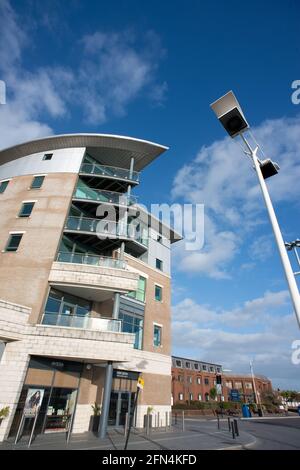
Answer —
230 114
292 246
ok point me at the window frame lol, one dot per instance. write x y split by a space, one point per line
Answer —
47 157
34 178
159 327
10 237
24 203
157 286
5 187
160 262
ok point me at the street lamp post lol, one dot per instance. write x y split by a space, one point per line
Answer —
229 113
256 394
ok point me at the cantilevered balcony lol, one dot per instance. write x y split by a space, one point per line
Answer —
87 322
97 282
86 193
110 172
109 234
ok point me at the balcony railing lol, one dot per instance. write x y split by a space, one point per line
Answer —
112 230
94 260
85 321
108 197
110 171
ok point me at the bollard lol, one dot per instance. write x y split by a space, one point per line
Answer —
148 425
175 418
236 429
166 421
158 423
170 420
218 419
155 420
229 427
126 425
182 420
232 429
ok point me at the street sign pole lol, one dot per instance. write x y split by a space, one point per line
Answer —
140 386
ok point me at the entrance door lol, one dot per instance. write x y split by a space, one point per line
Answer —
120 404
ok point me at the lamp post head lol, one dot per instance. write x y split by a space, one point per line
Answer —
230 114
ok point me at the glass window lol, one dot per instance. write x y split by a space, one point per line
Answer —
228 384
211 369
188 365
47 156
189 379
206 381
196 366
65 310
37 182
204 367
157 335
238 385
178 363
191 397
133 324
180 378
180 396
159 264
14 242
3 186
198 380
199 397
139 294
158 293
26 209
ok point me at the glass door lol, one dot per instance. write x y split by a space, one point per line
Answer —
60 409
120 404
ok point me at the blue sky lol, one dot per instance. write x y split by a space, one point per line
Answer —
150 70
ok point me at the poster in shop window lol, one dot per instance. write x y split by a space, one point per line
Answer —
33 401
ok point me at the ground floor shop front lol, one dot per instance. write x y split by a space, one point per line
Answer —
67 394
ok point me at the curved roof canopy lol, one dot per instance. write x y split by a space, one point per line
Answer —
108 149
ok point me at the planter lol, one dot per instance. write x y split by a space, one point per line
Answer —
94 423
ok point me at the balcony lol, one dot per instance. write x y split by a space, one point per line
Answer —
112 172
86 322
93 260
86 193
95 282
110 230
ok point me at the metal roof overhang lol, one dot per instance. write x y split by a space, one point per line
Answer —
112 150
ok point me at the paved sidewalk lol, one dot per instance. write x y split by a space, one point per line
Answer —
198 435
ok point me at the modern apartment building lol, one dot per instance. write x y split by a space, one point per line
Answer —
84 283
192 380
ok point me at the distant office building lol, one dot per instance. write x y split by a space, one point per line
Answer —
192 380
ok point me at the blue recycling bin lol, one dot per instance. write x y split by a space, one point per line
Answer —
299 410
246 411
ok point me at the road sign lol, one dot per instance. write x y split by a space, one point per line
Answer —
234 395
140 383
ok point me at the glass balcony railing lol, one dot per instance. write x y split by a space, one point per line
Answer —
93 260
108 197
110 171
84 321
112 230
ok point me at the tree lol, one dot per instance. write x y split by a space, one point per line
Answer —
213 393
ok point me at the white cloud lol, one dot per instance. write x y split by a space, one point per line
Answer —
112 70
222 178
257 329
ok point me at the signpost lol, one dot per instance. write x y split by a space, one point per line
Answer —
140 386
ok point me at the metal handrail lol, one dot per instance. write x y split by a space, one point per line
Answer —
91 259
101 195
82 321
111 171
114 229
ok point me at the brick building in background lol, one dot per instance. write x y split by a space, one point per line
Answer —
192 380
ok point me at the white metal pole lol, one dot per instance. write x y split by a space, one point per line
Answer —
294 292
297 256
254 387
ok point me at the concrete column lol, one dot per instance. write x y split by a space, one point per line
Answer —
116 306
106 400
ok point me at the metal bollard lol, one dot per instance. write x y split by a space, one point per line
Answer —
148 425
126 425
229 426
232 429
218 419
166 423
175 418
236 428
158 422
182 420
